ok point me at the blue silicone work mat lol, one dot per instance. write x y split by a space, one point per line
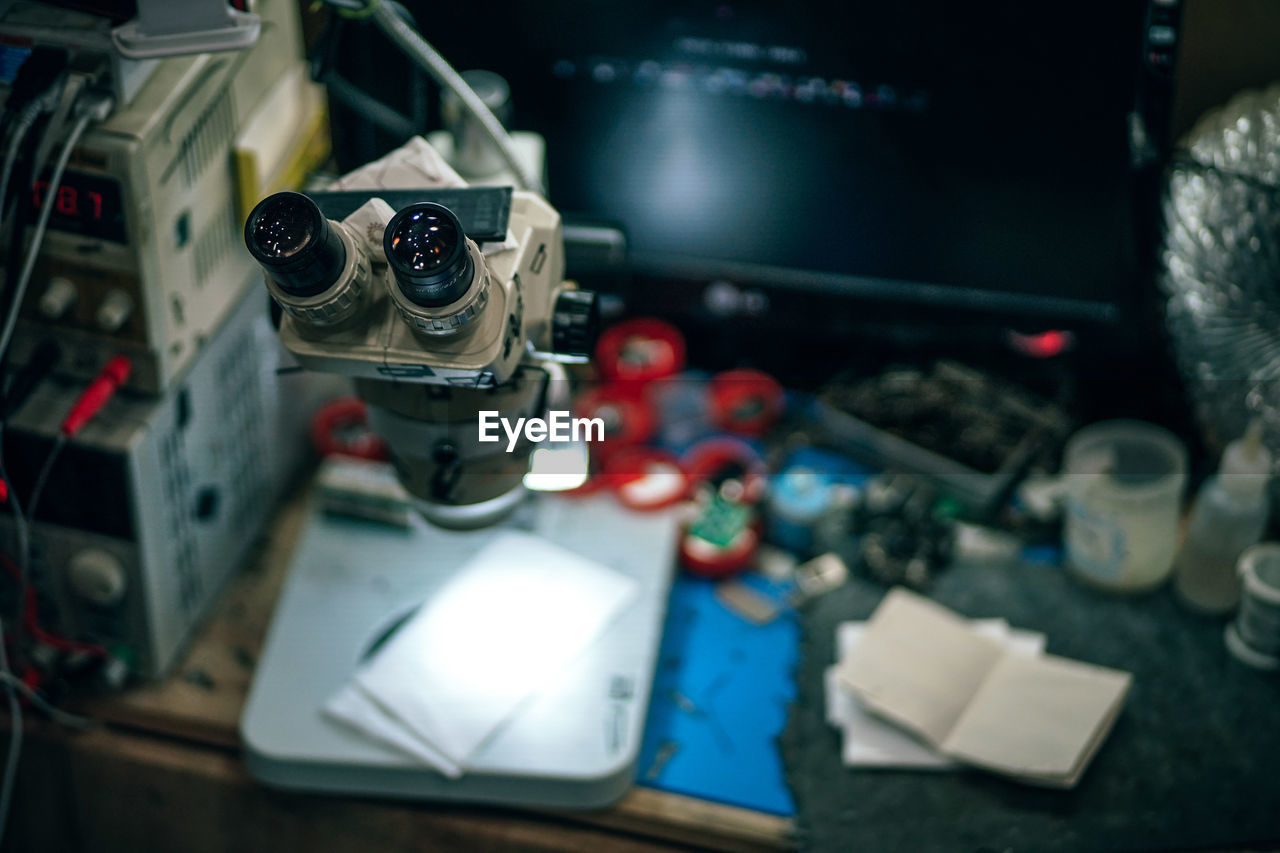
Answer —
723 687
720 699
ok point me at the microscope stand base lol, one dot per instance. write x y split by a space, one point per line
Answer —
574 745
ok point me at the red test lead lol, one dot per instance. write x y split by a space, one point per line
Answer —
102 389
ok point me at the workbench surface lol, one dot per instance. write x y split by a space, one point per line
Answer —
164 772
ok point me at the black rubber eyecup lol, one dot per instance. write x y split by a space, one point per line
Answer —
427 251
293 242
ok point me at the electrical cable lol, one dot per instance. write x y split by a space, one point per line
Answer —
31 622
87 405
15 740
323 68
43 359
13 229
418 49
85 408
29 154
351 9
42 225
64 98
367 106
36 89
22 125
7 115
17 137
64 102
13 686
42 479
22 531
53 712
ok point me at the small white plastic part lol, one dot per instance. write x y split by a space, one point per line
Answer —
97 577
975 544
819 576
775 563
114 311
1043 496
1246 463
58 298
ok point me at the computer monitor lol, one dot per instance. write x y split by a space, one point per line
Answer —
973 155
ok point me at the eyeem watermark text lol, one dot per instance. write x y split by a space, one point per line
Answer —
558 426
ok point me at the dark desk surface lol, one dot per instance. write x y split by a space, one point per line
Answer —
1192 763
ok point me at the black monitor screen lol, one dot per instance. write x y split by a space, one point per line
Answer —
969 153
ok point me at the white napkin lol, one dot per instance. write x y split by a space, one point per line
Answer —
413 165
507 624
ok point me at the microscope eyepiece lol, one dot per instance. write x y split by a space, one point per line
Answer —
288 235
427 251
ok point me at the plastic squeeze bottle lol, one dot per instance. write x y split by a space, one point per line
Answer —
1229 515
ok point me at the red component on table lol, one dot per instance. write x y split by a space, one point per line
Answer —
746 402
641 350
646 479
627 420
710 457
707 560
342 428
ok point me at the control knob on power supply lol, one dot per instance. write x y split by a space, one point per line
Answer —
97 577
114 311
58 298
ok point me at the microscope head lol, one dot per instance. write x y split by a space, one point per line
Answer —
433 328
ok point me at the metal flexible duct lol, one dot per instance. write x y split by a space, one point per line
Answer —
1221 265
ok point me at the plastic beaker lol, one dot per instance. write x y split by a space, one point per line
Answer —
1124 481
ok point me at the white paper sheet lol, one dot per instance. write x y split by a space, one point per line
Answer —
508 623
351 707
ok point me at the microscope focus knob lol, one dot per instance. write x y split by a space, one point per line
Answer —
575 323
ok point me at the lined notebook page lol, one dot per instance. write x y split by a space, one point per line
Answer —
919 664
1041 718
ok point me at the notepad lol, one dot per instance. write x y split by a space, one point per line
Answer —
1039 719
871 741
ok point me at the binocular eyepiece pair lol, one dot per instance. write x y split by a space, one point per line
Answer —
297 246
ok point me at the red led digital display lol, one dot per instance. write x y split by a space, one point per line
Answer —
83 204
70 201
